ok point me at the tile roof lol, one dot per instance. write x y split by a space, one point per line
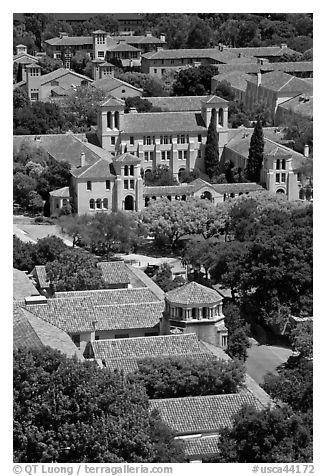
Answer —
64 147
70 41
122 47
32 331
297 106
138 279
177 103
163 122
283 83
108 84
213 99
201 446
59 73
22 285
193 293
237 79
126 158
61 192
114 272
211 53
168 190
99 170
24 58
236 187
208 414
39 272
254 67
261 51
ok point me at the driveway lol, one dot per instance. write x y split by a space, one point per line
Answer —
32 232
265 358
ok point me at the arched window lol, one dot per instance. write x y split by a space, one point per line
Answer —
180 173
105 203
126 170
64 202
92 204
131 170
129 203
146 201
214 114
220 116
109 120
98 203
278 164
206 196
283 164
116 120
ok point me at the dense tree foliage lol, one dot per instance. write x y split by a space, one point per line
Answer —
275 435
194 81
38 118
212 168
49 64
256 153
238 331
68 411
160 176
177 377
81 107
164 279
27 255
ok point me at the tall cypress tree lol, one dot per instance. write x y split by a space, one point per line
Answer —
256 153
211 150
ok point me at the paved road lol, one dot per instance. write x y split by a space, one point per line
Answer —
31 232
265 358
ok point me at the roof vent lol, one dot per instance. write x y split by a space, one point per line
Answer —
35 300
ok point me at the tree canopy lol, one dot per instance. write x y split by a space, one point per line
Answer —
256 153
70 411
176 377
212 168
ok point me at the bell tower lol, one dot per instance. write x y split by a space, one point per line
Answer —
218 108
110 123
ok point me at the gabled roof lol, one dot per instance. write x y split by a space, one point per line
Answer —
163 122
108 84
24 58
254 67
33 332
111 101
215 99
283 83
164 190
209 414
303 108
59 73
101 169
70 41
114 272
63 192
237 79
262 51
122 47
193 293
177 103
200 53
22 285
126 158
201 446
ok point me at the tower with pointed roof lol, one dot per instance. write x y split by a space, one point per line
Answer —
194 308
218 107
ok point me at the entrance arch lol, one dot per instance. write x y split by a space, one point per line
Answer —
280 190
129 203
206 196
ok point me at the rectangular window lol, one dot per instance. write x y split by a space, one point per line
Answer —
283 178
168 155
132 184
144 140
148 140
163 155
121 336
184 154
131 140
107 184
89 185
34 96
112 140
182 139
178 139
180 154
166 139
126 184
146 156
155 70
199 137
76 340
151 156
277 178
100 54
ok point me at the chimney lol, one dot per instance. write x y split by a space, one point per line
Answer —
82 159
21 49
162 37
283 46
94 330
306 150
148 33
259 78
132 110
35 300
63 34
220 47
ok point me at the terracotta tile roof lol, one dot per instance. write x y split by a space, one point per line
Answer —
138 279
126 158
122 47
59 73
254 67
236 187
22 285
168 190
71 41
112 309
262 51
177 103
201 446
39 272
208 414
237 79
211 53
213 99
32 331
156 122
283 83
193 293
100 169
108 84
63 147
61 192
114 272
297 106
